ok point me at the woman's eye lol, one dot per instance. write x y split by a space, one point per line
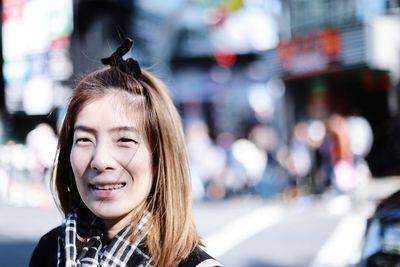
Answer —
127 140
82 140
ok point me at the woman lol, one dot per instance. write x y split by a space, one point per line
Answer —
121 176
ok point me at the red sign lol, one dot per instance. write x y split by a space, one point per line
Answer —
12 9
313 51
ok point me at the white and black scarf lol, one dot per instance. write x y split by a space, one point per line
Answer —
118 252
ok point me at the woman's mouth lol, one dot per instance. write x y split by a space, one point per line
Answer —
107 186
106 191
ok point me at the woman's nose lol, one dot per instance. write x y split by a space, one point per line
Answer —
102 158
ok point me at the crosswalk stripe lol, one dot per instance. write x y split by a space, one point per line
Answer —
342 245
241 229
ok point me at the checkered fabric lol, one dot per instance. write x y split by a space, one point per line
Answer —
118 252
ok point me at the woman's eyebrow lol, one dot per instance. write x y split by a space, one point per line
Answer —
114 129
84 129
124 128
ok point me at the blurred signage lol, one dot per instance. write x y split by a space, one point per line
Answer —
225 59
384 44
308 15
245 31
230 5
36 40
310 52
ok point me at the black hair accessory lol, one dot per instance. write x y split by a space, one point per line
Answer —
129 66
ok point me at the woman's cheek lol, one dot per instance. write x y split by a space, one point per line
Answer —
126 158
79 160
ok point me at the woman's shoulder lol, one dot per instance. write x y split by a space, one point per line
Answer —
50 238
45 252
199 258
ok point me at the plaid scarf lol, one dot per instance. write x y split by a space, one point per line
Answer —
118 252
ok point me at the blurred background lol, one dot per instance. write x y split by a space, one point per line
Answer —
290 108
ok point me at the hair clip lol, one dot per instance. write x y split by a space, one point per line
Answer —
129 66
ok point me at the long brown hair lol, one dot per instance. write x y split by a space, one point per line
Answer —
172 234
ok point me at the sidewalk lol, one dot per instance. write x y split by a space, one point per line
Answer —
378 188
367 196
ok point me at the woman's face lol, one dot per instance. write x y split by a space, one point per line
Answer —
110 159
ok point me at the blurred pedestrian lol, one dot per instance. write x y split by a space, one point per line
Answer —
361 139
42 141
341 155
266 139
299 161
207 161
122 177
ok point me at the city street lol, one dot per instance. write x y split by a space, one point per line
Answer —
277 111
290 235
241 232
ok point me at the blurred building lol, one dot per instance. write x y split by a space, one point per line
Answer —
343 57
36 62
46 46
231 63
229 59
219 74
99 27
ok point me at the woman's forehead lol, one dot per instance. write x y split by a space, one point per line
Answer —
113 107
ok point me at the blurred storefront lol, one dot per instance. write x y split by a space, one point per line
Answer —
224 61
46 46
330 55
231 98
219 74
36 62
331 64
231 63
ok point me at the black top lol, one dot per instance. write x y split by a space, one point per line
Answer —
45 253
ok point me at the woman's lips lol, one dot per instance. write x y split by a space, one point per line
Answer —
104 191
107 186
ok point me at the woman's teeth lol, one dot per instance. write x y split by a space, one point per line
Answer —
108 187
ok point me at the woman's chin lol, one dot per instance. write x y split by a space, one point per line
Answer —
108 212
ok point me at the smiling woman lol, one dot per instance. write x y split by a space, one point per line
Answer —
112 165
122 176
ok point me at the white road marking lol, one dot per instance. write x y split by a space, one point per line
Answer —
343 244
241 229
